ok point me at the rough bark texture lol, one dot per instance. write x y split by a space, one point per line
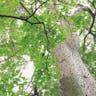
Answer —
75 78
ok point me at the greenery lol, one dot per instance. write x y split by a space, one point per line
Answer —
32 27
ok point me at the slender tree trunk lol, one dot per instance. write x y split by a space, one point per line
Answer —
75 78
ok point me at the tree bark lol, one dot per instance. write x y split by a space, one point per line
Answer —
75 79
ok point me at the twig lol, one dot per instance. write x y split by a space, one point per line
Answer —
85 8
92 3
94 35
24 7
36 10
28 11
10 56
92 24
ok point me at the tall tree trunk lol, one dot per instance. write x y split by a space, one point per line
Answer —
75 78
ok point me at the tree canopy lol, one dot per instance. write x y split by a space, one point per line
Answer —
34 28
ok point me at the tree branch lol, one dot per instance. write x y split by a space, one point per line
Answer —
10 56
20 18
93 14
94 35
46 33
24 7
90 30
85 8
92 3
92 24
36 10
32 23
28 11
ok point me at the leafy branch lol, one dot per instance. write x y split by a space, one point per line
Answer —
92 3
8 58
20 18
38 22
25 19
36 9
93 16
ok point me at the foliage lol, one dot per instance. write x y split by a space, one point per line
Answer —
19 37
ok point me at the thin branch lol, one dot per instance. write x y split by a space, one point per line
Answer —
92 24
92 3
85 8
90 31
36 10
28 11
31 81
24 7
94 35
46 33
35 4
20 18
81 32
6 59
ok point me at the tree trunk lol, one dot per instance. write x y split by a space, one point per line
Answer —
75 78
